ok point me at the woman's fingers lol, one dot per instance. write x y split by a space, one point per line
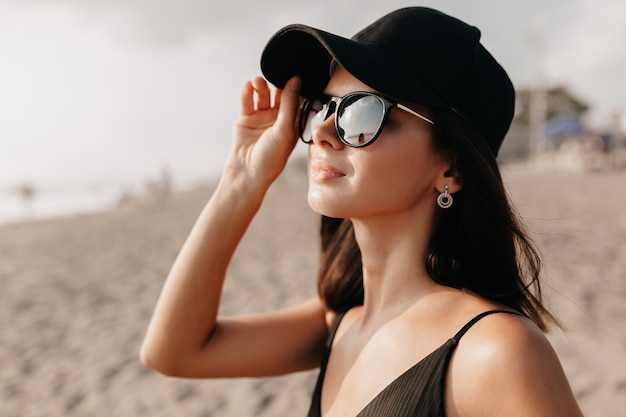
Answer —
266 133
289 101
259 115
263 93
247 99
255 96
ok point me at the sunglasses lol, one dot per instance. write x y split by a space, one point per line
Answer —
359 116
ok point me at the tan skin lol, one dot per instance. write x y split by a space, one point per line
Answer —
503 366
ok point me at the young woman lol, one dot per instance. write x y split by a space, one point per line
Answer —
429 301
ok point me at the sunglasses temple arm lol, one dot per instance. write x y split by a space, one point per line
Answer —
406 109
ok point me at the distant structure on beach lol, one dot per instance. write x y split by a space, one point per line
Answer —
161 188
157 189
27 193
550 132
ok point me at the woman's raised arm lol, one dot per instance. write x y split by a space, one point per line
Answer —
184 337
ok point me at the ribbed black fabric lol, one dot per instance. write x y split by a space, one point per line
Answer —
418 392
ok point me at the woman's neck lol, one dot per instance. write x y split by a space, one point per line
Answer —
394 271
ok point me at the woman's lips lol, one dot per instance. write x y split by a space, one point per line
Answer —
324 172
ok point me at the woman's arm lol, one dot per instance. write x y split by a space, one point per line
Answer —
184 337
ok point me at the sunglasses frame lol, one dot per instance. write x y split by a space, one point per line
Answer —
388 104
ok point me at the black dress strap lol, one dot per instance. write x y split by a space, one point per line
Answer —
315 410
473 321
329 341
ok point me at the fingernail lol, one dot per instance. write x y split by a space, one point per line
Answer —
295 82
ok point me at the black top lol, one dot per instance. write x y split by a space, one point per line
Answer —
418 392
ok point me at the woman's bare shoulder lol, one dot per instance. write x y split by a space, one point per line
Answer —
505 365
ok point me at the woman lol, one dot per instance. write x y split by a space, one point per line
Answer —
425 286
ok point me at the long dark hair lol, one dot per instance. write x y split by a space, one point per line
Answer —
479 243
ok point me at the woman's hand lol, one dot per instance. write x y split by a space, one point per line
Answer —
265 133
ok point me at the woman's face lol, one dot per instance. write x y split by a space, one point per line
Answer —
399 173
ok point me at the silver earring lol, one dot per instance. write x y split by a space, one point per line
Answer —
444 200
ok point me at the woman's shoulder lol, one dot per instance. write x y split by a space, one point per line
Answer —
503 346
505 337
505 365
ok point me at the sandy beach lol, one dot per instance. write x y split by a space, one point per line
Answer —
77 294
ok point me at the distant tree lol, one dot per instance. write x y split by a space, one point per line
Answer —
559 102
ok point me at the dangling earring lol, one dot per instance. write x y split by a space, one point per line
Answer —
444 200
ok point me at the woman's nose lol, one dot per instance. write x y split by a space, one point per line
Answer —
325 134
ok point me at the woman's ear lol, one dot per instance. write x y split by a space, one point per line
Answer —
451 177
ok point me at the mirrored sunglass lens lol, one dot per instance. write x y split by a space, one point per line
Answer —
360 119
312 116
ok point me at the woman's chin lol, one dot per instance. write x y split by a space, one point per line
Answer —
326 203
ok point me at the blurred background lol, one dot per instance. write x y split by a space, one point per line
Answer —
115 122
104 100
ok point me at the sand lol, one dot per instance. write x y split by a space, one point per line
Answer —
77 294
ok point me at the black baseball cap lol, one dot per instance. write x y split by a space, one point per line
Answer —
415 54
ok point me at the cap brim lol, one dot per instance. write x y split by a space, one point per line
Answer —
307 52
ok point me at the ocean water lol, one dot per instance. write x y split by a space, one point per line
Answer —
19 205
28 201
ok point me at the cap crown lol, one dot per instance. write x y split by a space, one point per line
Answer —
415 54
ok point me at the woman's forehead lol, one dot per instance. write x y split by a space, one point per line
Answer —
342 82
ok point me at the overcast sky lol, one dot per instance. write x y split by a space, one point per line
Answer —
110 91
